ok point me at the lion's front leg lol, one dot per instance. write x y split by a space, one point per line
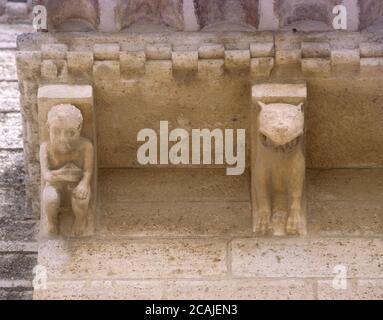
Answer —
262 205
296 185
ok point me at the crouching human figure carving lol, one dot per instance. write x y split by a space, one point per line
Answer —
67 166
278 169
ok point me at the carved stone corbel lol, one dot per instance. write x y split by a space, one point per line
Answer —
67 160
278 160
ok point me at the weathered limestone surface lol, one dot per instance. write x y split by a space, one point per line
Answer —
185 233
168 246
18 254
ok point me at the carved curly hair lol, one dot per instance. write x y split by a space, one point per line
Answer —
66 112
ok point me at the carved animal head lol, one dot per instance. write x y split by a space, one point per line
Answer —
281 125
65 125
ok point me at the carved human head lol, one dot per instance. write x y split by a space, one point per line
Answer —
65 125
281 123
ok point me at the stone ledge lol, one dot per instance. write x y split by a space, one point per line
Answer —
306 258
240 289
133 259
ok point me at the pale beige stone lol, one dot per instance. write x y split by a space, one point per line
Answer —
133 259
132 63
356 290
278 161
80 62
239 289
344 218
110 51
131 186
237 60
49 70
261 67
306 258
371 50
288 56
107 70
316 50
54 51
185 62
262 49
316 66
67 158
211 68
101 290
159 69
159 52
180 219
345 57
211 51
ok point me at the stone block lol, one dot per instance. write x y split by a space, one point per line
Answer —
275 93
101 290
316 66
80 62
54 51
346 185
316 50
213 51
356 290
162 69
106 70
288 56
345 218
133 259
109 51
131 186
49 70
306 258
28 64
185 63
237 60
345 57
371 66
371 50
239 289
262 49
132 63
261 67
159 52
211 68
181 219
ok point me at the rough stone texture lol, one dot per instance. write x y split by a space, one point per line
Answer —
184 240
239 289
103 290
17 227
81 260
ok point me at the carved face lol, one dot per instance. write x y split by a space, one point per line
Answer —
65 124
281 124
64 137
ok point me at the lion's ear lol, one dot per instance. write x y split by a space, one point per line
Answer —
262 105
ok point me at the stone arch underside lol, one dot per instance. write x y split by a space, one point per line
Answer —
73 15
306 15
234 12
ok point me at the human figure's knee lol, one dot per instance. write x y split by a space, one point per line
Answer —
80 207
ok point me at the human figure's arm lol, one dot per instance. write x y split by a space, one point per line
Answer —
82 191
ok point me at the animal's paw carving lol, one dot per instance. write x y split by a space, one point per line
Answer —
294 224
262 224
